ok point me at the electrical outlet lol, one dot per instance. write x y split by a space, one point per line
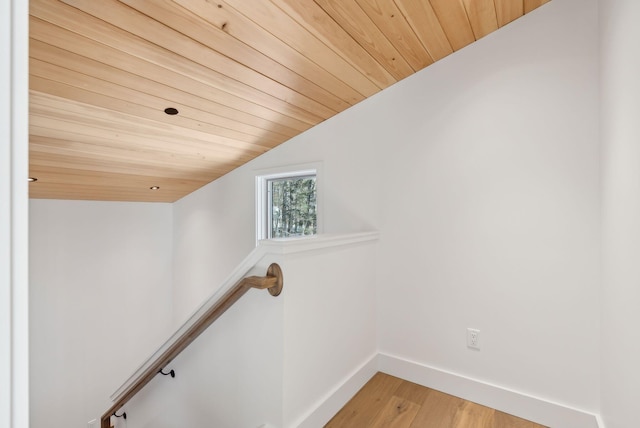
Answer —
473 338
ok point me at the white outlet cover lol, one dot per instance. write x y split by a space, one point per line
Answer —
473 338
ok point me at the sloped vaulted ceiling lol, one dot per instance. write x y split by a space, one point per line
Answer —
244 76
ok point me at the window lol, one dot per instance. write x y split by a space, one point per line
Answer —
287 205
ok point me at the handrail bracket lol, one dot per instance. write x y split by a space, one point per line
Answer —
273 281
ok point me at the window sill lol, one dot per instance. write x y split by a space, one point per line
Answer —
315 242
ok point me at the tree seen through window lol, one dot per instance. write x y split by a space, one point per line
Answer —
292 205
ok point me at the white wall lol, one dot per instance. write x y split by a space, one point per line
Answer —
100 302
620 68
482 175
329 325
490 215
208 243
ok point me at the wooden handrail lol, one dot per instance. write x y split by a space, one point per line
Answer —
273 282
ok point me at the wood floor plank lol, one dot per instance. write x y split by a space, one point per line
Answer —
412 392
504 420
472 415
438 410
386 401
397 413
367 403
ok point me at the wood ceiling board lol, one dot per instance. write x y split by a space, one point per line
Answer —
248 32
269 16
246 76
182 124
118 124
141 114
350 16
49 175
426 26
183 21
128 148
177 169
312 17
454 21
140 181
94 156
144 58
215 67
99 190
258 143
84 150
153 94
165 150
73 183
482 17
191 84
530 5
394 25
508 10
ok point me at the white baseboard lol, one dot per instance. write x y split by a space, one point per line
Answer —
535 409
336 399
544 412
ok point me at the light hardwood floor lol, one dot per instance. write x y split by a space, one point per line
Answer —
386 401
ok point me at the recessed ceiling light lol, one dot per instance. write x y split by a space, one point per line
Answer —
154 187
171 111
32 179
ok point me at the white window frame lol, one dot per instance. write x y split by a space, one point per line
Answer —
263 199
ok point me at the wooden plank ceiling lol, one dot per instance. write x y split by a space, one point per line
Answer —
245 76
